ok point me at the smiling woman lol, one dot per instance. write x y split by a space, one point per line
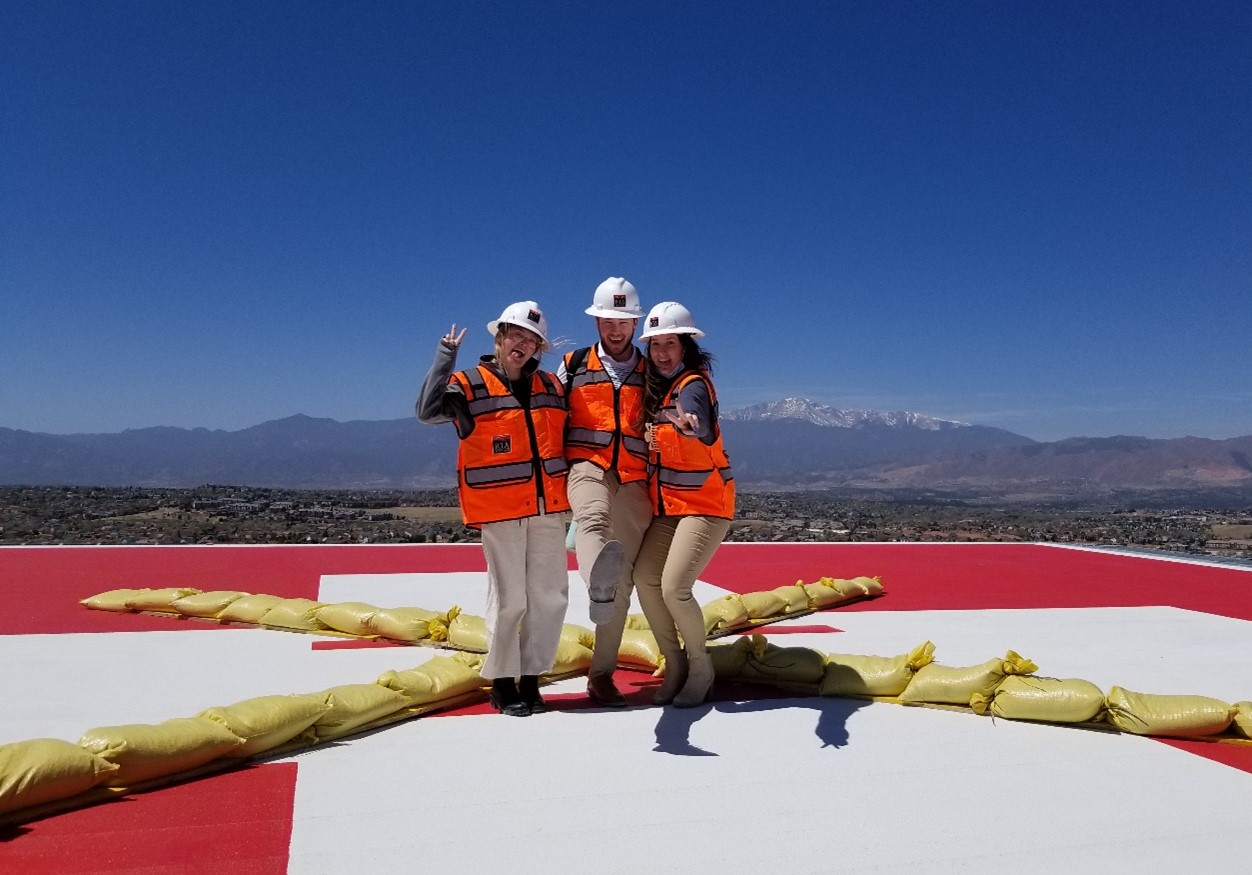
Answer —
510 418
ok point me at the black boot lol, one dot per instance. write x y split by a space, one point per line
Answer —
529 689
506 699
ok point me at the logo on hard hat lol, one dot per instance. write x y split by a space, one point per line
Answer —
619 301
534 316
654 321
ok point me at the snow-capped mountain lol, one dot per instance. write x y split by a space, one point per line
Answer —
821 414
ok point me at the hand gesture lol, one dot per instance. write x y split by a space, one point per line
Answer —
452 340
685 422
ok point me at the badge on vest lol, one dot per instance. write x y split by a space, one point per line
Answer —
501 444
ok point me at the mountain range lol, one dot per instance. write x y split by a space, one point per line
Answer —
788 444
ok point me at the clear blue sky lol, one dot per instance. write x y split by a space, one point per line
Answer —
1033 215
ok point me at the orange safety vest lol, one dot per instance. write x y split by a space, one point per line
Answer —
605 421
496 462
688 477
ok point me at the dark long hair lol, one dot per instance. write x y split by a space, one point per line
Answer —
656 385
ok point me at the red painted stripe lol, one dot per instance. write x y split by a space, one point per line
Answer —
355 643
1237 756
771 629
237 822
44 585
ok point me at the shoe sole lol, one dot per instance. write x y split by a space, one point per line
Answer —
602 582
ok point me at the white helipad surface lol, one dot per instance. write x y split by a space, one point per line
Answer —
743 783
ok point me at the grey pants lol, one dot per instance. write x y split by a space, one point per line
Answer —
674 552
605 508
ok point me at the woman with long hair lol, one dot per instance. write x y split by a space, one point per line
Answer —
693 494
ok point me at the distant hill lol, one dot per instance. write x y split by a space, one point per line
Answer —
788 444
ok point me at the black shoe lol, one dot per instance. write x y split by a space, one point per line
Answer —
528 687
506 699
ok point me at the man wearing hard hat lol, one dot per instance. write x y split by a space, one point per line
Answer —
608 471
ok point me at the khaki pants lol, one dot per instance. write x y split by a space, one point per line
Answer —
527 594
675 550
605 509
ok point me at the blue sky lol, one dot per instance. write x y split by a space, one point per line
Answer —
1032 215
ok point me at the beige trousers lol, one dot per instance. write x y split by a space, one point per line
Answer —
674 552
527 594
605 508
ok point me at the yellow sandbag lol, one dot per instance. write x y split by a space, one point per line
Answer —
440 677
1243 719
795 596
353 705
823 596
206 604
159 599
249 609
763 605
143 751
956 685
350 617
639 621
868 585
571 657
770 664
856 587
1177 716
268 721
409 624
469 632
729 659
47 770
578 635
851 675
300 614
1054 700
113 600
724 613
639 649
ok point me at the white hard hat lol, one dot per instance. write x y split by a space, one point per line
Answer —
615 298
669 317
524 313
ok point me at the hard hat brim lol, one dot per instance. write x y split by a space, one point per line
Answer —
657 332
602 313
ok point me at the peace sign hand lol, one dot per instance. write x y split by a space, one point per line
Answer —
452 340
685 422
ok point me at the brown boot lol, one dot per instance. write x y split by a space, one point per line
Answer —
699 680
675 677
600 688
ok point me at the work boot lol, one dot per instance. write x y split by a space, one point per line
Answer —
699 680
675 677
600 688
528 687
606 574
506 699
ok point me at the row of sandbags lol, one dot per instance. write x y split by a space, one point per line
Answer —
468 631
300 614
1006 687
418 624
734 610
49 770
